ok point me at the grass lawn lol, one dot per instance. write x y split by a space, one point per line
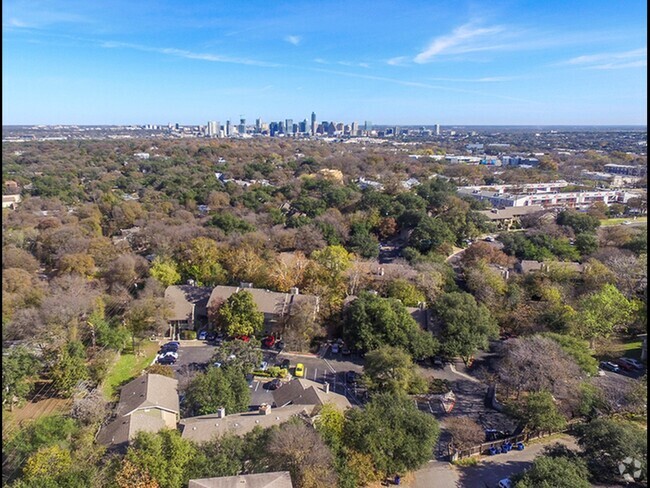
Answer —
127 367
623 219
624 346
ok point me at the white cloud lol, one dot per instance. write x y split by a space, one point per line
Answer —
182 53
486 79
17 23
636 58
464 39
398 61
295 40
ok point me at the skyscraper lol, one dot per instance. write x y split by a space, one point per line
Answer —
437 128
213 128
354 130
313 123
258 125
288 126
228 128
242 126
367 126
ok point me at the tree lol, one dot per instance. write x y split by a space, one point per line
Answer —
164 458
539 413
161 369
77 263
132 476
388 369
165 271
465 432
69 369
201 262
224 387
300 326
238 316
603 311
466 325
578 350
330 423
579 222
405 292
556 472
244 355
333 258
393 432
145 316
586 243
371 321
90 408
300 450
51 462
19 367
608 442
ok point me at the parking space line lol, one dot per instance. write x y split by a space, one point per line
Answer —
315 373
257 385
329 366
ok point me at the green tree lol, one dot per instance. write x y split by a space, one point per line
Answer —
244 355
371 321
51 462
330 423
406 292
389 369
555 472
165 271
586 243
539 413
601 312
224 387
607 442
238 316
391 429
201 262
335 259
70 368
579 222
165 456
466 325
19 367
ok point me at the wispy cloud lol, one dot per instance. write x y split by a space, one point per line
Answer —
636 58
352 64
467 38
295 40
418 84
486 79
182 53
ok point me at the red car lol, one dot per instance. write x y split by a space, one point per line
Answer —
243 338
268 341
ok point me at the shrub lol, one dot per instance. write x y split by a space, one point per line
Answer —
188 335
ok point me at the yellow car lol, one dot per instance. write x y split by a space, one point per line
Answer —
300 370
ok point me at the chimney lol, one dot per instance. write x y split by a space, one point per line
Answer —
265 409
327 387
221 413
294 291
244 284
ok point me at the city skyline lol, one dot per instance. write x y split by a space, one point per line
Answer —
420 63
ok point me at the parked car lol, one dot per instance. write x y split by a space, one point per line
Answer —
351 377
268 341
609 366
173 354
274 384
624 365
300 370
505 483
633 363
202 335
244 338
285 364
169 347
210 336
279 345
166 360
345 350
263 366
335 348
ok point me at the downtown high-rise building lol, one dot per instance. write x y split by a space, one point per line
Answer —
437 129
258 125
288 126
228 128
354 129
313 123
242 126
367 126
214 128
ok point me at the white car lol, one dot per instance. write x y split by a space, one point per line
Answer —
263 366
169 353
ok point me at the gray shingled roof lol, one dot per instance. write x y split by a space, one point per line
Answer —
187 301
510 212
123 429
149 391
280 479
306 392
268 302
205 427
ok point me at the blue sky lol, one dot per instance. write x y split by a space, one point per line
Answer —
407 62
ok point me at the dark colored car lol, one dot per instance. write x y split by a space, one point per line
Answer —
274 384
345 350
351 377
167 360
211 336
608 365
268 341
279 345
169 347
624 365
285 364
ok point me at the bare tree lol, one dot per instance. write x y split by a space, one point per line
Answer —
465 432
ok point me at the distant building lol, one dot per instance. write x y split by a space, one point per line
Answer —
10 201
288 124
280 479
437 130
242 126
214 128
627 170
189 307
367 126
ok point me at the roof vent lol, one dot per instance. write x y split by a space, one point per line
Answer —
245 284
294 291
221 413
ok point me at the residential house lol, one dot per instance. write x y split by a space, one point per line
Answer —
189 307
203 428
149 403
274 305
309 393
279 479
10 201
504 218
